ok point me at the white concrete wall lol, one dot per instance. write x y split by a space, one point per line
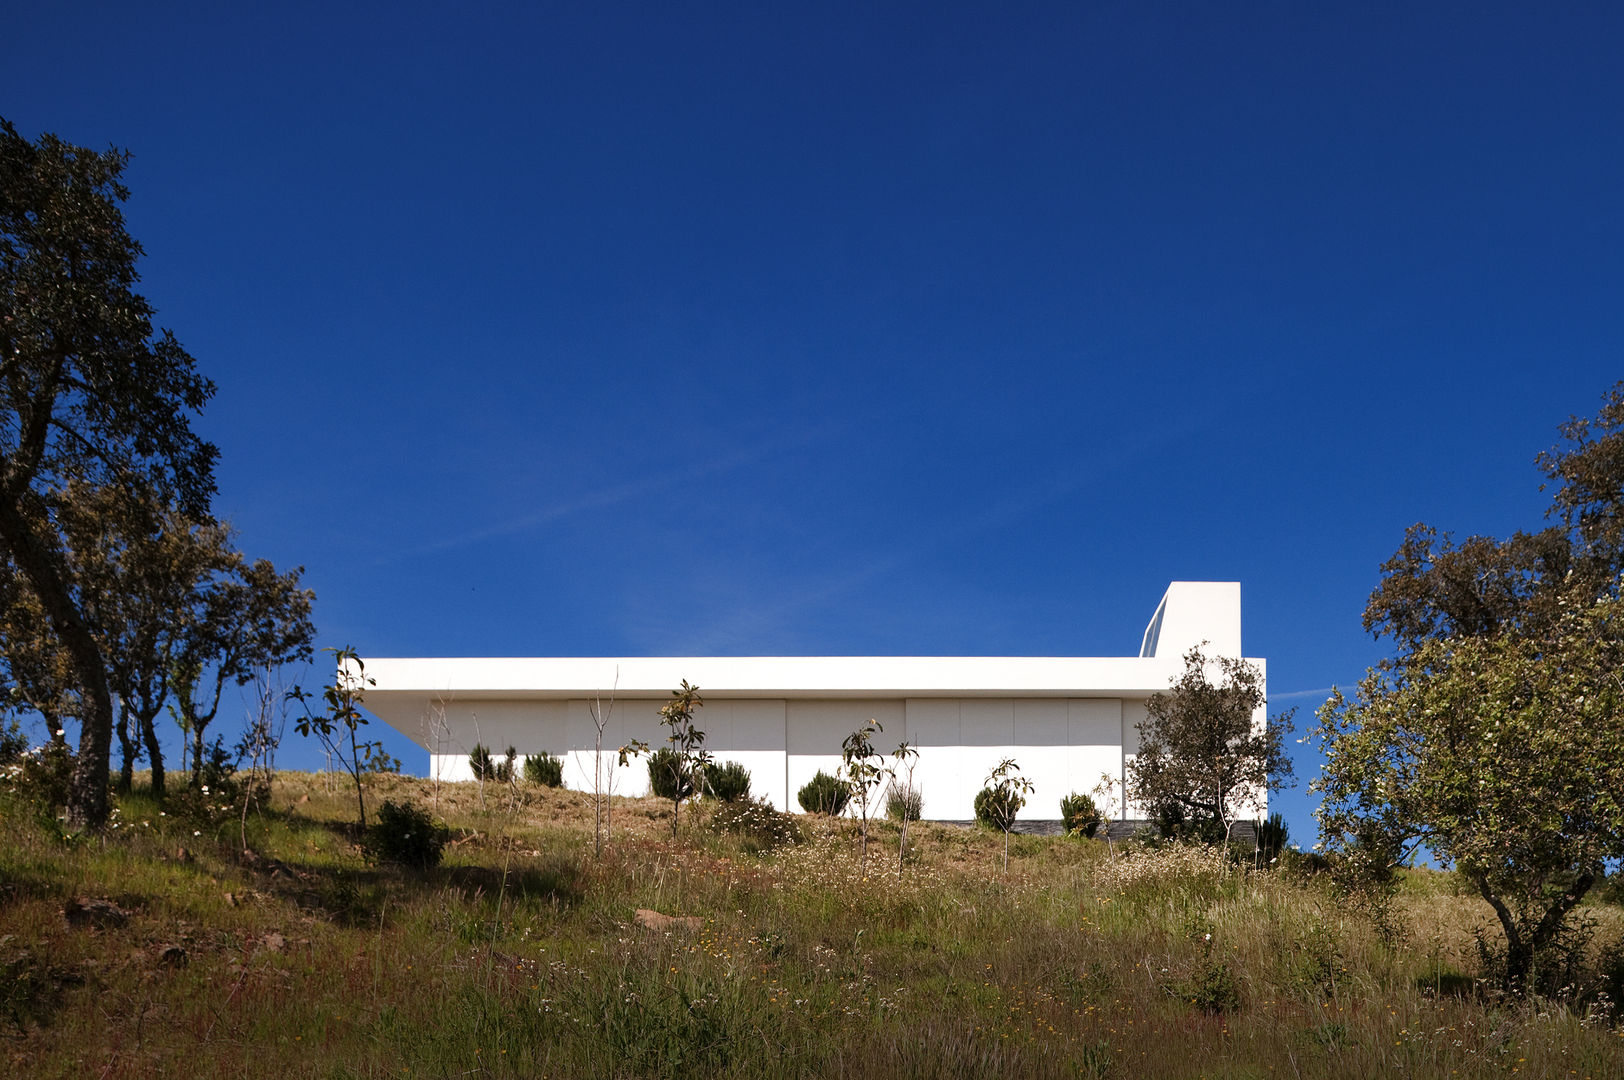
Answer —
1065 720
815 730
1192 613
1060 745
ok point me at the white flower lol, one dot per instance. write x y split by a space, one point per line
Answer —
197 832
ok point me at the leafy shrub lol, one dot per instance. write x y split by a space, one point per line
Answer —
13 743
727 780
41 776
760 825
1079 815
824 794
1213 988
996 808
904 802
405 835
1173 823
544 770
669 776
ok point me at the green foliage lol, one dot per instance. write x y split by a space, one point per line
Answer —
1079 815
1495 734
1006 792
904 802
337 725
42 776
760 826
13 742
543 770
406 835
824 794
1272 835
670 776
488 769
728 781
1200 757
996 809
1213 987
1502 754
1177 823
863 768
91 395
684 770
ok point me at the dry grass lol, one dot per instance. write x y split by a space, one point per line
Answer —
520 957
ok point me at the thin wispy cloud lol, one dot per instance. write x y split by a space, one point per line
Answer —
640 487
743 628
1290 695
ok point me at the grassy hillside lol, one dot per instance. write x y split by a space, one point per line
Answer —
520 955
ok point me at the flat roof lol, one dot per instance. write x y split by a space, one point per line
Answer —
790 677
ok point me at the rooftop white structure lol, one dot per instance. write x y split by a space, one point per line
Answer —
1067 721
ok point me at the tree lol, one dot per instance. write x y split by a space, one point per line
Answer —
1503 754
140 570
1001 800
865 771
88 393
246 617
40 671
684 764
1201 757
902 763
1491 736
602 774
338 725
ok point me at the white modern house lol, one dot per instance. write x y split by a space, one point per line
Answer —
1067 721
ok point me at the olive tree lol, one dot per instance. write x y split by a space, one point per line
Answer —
1501 754
245 617
89 392
1202 757
1491 736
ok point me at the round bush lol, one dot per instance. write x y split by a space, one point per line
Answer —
904 802
544 771
727 780
669 777
405 835
1079 815
759 825
824 794
997 808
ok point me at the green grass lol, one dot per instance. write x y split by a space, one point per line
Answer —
519 956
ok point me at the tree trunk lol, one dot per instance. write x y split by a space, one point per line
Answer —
155 754
1524 946
127 749
87 792
360 796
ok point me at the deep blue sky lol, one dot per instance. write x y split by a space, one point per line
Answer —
865 328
